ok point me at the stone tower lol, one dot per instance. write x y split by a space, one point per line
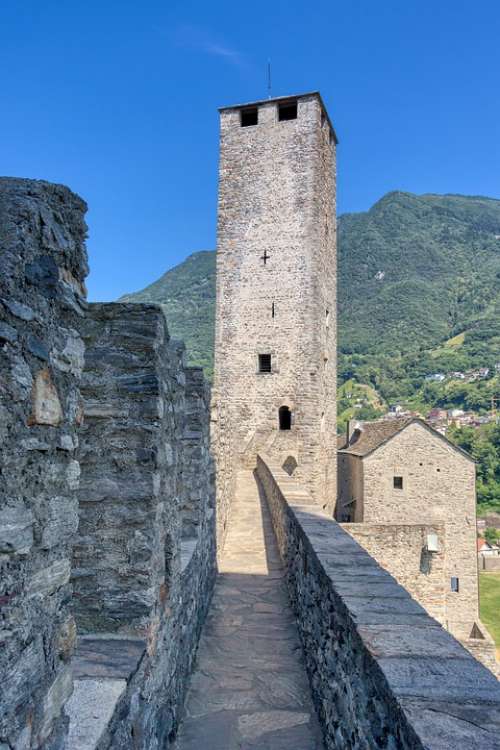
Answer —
275 349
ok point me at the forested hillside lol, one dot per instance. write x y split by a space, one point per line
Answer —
187 293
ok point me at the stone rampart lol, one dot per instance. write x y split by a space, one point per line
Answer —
133 400
43 265
144 559
383 672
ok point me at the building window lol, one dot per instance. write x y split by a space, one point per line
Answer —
287 111
290 465
454 584
249 116
285 418
398 483
273 310
264 363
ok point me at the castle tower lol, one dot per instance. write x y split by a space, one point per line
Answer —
275 348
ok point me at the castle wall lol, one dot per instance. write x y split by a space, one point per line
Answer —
133 400
43 264
401 550
277 202
382 672
197 474
144 558
438 487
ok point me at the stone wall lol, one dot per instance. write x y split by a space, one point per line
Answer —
130 454
197 472
402 550
43 264
383 673
144 560
276 292
350 488
438 488
490 564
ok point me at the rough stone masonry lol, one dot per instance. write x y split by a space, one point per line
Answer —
275 337
106 486
43 265
144 555
113 492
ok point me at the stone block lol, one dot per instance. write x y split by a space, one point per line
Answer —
61 521
47 408
47 580
7 333
16 528
55 699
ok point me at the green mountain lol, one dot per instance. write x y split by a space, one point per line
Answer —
187 293
414 272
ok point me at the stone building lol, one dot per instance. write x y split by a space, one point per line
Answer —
275 341
408 496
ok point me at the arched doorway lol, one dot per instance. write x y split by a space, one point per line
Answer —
285 418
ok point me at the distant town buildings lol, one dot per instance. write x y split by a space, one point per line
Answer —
479 373
486 549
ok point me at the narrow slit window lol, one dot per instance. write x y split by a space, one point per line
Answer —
287 111
265 363
249 116
398 483
454 584
273 310
285 418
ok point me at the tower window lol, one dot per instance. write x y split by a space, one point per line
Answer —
249 116
264 363
398 483
273 310
454 584
287 111
285 418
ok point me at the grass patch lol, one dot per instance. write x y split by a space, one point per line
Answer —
456 341
489 603
488 506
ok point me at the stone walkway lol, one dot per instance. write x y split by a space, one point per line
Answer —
249 690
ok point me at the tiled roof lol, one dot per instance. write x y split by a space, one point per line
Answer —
373 434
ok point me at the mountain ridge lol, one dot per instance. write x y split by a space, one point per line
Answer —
413 271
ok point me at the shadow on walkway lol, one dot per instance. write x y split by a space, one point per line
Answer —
249 690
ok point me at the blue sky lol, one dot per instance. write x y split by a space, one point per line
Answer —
118 99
